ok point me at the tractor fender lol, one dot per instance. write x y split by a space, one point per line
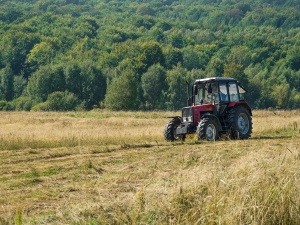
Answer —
214 118
178 119
243 103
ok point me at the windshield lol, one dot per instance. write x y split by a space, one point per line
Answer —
223 91
206 93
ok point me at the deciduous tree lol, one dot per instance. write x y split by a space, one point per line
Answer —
122 92
154 85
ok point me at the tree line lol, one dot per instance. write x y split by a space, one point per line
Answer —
137 55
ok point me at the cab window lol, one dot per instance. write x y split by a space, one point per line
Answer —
242 92
223 92
233 92
207 92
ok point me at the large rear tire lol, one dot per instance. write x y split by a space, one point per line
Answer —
169 131
239 122
208 130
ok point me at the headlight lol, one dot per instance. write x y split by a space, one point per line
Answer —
187 114
187 119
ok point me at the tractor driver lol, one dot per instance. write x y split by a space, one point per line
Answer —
214 92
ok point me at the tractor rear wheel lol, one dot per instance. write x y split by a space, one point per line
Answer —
169 131
239 122
208 130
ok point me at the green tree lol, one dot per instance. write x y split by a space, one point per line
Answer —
294 102
191 59
144 22
215 67
62 101
44 81
254 93
74 80
156 34
7 83
173 56
293 78
154 85
93 85
203 36
281 93
23 103
176 39
145 9
10 13
176 79
122 92
14 47
239 55
293 58
20 84
266 99
150 53
43 53
86 26
207 35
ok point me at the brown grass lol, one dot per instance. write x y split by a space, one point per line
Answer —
36 130
115 168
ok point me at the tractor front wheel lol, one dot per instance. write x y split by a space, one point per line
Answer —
239 122
169 131
208 130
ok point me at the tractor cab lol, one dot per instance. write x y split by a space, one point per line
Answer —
217 91
217 106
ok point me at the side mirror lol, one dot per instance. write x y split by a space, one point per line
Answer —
195 89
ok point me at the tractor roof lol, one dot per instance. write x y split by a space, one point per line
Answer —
214 79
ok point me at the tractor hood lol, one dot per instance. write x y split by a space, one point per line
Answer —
193 113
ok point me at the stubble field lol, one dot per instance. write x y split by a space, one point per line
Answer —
106 167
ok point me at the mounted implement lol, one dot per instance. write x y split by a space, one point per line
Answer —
216 107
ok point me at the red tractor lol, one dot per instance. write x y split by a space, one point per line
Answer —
216 107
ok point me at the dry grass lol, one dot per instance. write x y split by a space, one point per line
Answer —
37 130
104 168
275 122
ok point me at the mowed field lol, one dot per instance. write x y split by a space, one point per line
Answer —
105 167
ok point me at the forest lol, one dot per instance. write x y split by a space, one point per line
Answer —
60 55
